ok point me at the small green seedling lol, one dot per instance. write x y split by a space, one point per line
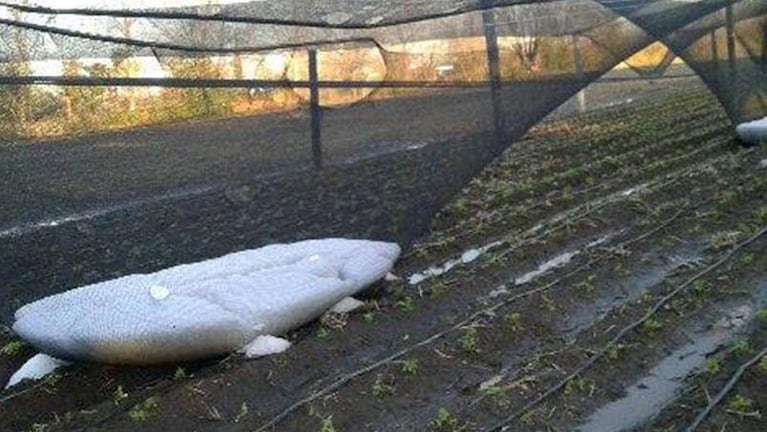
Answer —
444 421
576 385
651 327
498 395
119 395
514 321
743 348
469 340
761 316
761 215
741 404
613 351
144 410
406 304
701 289
528 418
323 333
712 367
410 366
327 425
243 412
383 386
180 374
12 349
762 366
747 259
724 240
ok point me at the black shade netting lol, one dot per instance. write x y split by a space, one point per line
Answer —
135 138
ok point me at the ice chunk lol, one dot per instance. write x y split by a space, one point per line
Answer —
347 305
264 346
36 368
470 255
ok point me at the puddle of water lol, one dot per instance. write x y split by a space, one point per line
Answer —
628 289
646 398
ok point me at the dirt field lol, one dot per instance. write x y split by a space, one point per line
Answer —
622 283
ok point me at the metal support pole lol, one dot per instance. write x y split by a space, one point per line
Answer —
764 46
578 60
316 109
494 68
730 17
731 60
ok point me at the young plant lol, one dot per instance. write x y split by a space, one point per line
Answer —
712 367
724 240
498 395
323 333
410 366
327 425
383 386
406 304
119 395
761 316
741 404
180 374
762 366
12 349
743 348
701 289
444 421
144 410
651 327
514 321
576 385
469 340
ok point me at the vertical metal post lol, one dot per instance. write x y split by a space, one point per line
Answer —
316 109
494 68
731 60
730 17
764 46
578 60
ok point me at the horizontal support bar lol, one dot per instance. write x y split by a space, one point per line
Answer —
275 84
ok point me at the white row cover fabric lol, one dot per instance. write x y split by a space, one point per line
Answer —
754 132
203 309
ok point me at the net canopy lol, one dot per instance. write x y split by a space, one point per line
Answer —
135 137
